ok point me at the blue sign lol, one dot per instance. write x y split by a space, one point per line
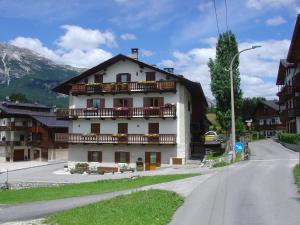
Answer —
239 147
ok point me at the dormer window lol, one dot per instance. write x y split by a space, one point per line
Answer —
150 76
123 77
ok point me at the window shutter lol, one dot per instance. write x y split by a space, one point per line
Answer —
89 103
161 101
99 156
128 77
117 157
102 102
90 156
95 128
147 160
146 101
118 78
130 102
98 78
115 102
158 159
127 157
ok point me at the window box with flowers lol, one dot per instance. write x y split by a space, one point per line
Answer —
119 135
88 134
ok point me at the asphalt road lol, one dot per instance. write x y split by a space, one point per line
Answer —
256 192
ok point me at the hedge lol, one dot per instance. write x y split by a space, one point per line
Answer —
289 138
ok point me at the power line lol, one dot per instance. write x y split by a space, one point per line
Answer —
216 17
226 8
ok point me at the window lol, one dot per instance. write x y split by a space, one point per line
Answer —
153 128
123 102
154 102
98 78
123 77
95 103
122 157
150 76
22 137
123 128
95 128
86 80
94 156
153 157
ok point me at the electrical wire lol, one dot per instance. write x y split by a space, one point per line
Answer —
216 14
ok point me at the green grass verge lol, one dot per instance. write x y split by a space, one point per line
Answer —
214 155
90 188
220 164
297 175
154 207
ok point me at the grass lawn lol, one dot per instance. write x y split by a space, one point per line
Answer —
153 207
90 188
297 175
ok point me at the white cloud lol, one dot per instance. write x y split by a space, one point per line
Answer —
78 47
203 6
35 45
128 37
275 21
77 37
260 4
146 53
258 67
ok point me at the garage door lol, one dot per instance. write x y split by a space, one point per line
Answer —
19 155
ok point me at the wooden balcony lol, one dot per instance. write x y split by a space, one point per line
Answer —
286 93
124 87
296 82
164 139
118 112
13 128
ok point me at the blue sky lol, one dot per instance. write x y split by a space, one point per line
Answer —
175 33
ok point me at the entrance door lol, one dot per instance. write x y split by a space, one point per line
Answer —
123 131
19 155
152 160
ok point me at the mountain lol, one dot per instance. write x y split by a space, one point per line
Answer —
24 71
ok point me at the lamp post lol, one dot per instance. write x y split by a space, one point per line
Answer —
232 96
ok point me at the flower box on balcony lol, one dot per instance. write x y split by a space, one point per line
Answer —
90 109
120 109
119 135
88 134
146 82
151 135
151 108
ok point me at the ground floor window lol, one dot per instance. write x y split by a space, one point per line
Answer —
122 157
94 156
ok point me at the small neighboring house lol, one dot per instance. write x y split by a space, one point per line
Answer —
267 118
27 132
288 80
124 110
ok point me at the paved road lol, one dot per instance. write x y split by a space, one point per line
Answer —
258 192
35 210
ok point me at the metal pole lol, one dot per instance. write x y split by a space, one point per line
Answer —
232 99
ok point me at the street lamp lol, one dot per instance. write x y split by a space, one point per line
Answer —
232 96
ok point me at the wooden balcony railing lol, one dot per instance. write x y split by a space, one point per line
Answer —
13 128
285 93
119 112
156 86
113 139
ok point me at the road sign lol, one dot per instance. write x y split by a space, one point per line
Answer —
239 147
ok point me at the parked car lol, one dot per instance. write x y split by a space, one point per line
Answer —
212 137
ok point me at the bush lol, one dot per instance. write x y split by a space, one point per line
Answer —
289 138
297 175
220 164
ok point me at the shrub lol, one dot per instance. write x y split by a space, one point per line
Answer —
289 138
221 164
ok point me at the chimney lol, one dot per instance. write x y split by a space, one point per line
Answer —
169 70
135 53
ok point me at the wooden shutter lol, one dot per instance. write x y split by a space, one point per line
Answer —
99 156
146 101
128 77
117 157
90 156
127 157
158 158
102 102
123 128
89 103
153 128
95 128
118 78
130 102
147 160
161 101
150 76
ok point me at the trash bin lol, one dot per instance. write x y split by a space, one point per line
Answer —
139 165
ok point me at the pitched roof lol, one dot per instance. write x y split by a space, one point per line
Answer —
272 104
51 121
283 65
65 86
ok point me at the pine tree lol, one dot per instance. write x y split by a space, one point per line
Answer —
220 79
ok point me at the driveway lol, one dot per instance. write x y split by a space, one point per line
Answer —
258 192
